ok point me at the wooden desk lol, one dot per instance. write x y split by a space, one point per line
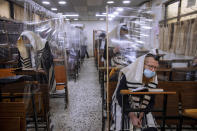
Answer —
128 92
38 75
29 71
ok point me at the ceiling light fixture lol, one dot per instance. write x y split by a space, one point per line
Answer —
104 13
111 15
119 9
45 2
101 19
126 2
62 2
110 2
110 19
73 15
54 9
116 13
76 19
67 19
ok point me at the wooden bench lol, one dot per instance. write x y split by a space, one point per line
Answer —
37 105
41 94
176 74
12 116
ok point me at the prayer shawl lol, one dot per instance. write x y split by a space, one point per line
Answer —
39 56
134 76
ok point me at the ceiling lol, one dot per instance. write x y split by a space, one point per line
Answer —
86 8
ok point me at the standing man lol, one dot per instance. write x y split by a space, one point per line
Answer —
141 73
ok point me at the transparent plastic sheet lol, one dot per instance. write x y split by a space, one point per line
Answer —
76 50
43 47
131 38
177 56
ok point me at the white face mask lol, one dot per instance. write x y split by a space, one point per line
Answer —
148 73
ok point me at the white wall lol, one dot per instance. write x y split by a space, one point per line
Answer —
94 25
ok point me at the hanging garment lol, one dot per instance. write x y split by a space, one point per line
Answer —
193 49
132 77
168 43
161 37
45 60
181 39
175 41
165 38
188 38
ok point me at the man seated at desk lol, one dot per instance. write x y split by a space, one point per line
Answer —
141 73
114 49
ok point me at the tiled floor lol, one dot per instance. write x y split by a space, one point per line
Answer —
84 109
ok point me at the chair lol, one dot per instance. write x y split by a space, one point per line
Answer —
61 83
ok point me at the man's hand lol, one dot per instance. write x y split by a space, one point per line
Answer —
141 115
135 121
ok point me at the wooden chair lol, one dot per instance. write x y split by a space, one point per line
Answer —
60 77
61 82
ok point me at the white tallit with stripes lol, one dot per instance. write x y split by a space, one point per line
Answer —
37 56
133 74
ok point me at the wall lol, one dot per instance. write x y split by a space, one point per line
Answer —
4 9
94 25
18 13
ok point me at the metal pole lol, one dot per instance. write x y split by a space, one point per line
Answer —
108 125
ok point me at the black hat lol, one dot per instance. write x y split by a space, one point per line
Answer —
102 35
124 28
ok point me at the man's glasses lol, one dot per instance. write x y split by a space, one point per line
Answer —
152 67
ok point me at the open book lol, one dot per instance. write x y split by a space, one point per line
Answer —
155 90
145 89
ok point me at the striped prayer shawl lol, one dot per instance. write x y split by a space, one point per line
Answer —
45 60
26 62
135 102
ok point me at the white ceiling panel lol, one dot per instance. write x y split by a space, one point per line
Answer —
86 8
80 8
94 2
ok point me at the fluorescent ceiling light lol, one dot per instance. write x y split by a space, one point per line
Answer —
98 15
62 2
45 2
104 13
126 2
54 9
110 2
111 15
119 9
101 19
73 15
67 19
110 19
115 13
76 19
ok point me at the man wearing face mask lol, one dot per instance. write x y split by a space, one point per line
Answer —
140 76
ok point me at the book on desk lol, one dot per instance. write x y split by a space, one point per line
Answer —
146 89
